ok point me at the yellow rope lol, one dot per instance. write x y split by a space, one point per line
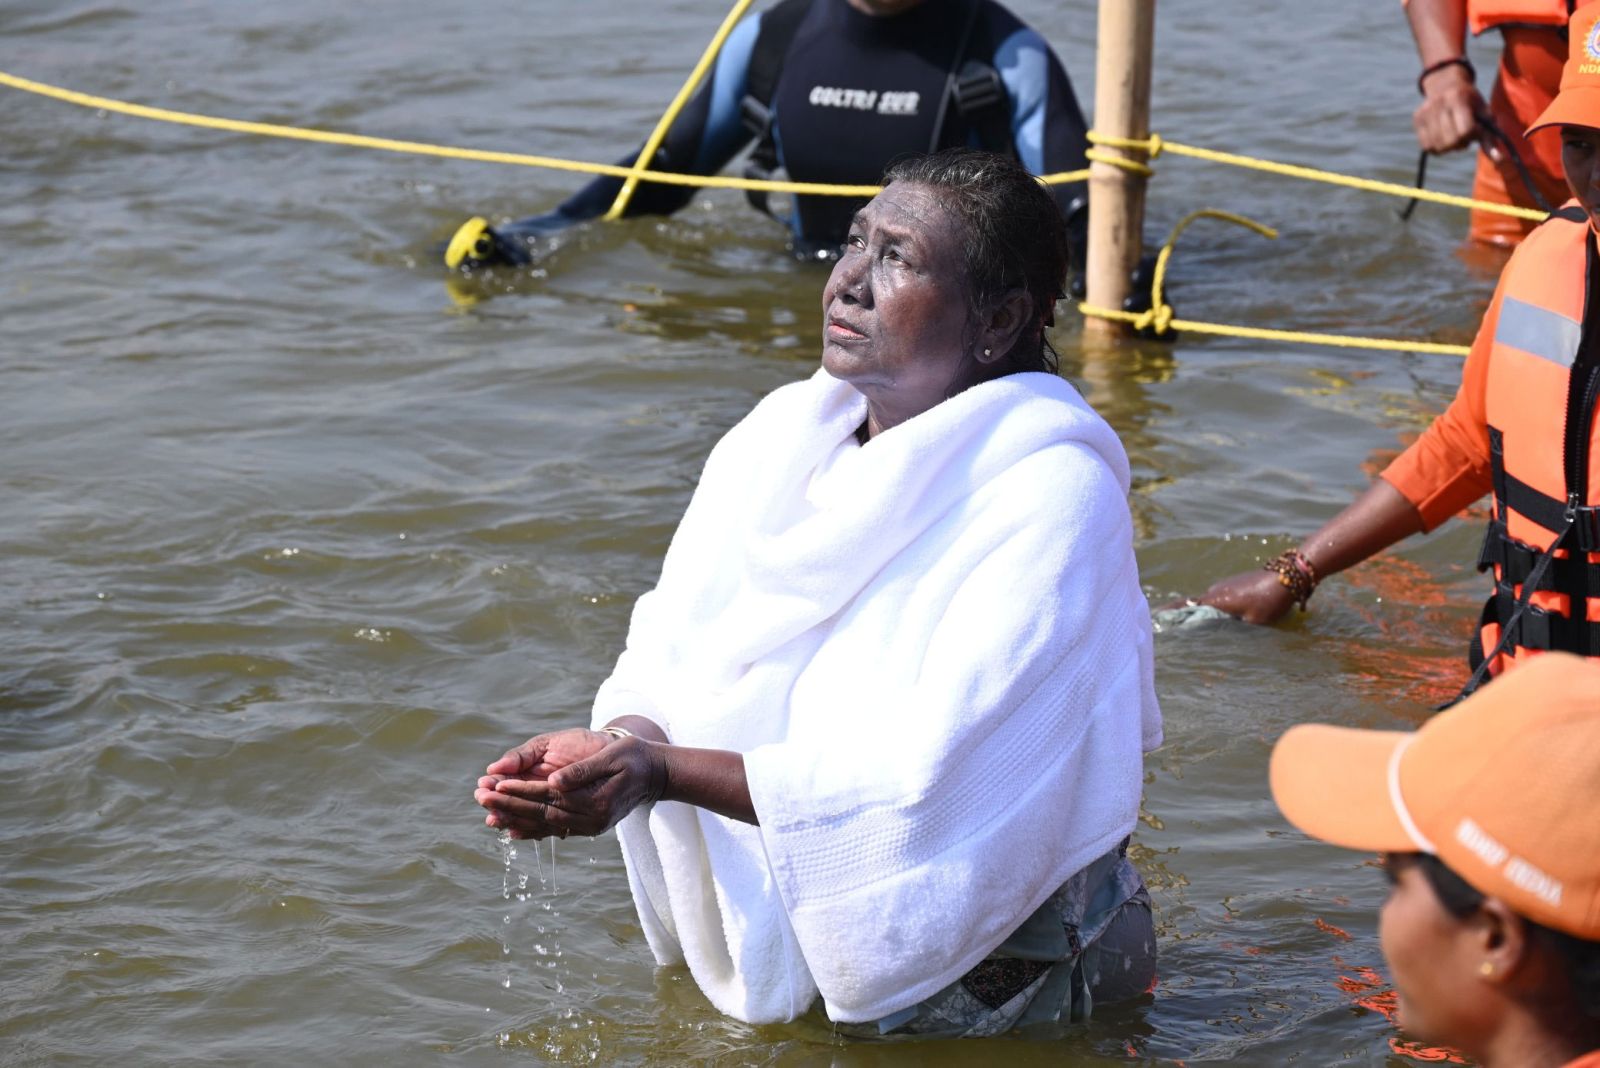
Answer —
653 142
1160 311
1155 145
1063 177
1120 161
1160 318
422 148
1297 337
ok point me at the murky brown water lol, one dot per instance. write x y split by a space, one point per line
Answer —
293 544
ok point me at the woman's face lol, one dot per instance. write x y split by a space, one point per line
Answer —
1431 961
1580 161
896 309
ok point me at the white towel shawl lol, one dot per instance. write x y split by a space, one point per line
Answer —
935 655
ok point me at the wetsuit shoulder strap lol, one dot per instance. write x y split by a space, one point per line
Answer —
776 34
976 89
778 27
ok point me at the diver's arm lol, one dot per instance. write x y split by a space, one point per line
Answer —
703 138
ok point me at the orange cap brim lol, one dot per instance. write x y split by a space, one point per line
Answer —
1577 106
1333 784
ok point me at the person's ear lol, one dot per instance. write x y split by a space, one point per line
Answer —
1003 326
1502 938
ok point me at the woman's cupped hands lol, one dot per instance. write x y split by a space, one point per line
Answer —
573 781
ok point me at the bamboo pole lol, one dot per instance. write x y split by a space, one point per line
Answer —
1116 196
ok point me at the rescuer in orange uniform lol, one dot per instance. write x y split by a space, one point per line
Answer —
1486 821
1522 426
1534 32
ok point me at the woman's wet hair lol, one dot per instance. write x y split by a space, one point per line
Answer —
1581 958
1015 237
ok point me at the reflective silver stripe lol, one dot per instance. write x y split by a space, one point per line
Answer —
1537 331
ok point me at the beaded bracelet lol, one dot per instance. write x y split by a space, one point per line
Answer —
1453 61
1295 574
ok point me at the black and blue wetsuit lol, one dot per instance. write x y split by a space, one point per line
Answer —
854 93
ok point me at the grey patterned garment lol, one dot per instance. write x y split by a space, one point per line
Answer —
1092 940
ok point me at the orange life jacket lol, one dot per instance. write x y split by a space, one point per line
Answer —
1541 397
1487 14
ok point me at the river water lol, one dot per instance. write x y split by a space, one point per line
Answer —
295 540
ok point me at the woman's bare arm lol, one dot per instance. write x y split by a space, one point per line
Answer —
1371 523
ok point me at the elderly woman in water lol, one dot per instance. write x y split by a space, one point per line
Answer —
877 732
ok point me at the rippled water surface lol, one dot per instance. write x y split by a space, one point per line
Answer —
295 540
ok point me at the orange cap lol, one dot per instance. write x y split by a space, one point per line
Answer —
1578 102
1504 788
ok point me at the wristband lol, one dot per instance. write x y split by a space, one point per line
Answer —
1295 574
1453 61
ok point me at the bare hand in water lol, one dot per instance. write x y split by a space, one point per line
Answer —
1253 596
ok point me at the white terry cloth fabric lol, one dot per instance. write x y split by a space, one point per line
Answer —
933 651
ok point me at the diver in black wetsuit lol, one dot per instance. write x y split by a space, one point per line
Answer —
833 91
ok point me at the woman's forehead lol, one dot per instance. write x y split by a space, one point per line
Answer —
910 207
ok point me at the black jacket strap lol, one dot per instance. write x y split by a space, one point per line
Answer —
980 97
773 38
1536 628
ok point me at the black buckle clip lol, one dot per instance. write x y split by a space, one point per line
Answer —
977 86
755 115
1586 528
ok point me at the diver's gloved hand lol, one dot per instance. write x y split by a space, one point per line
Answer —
1141 296
477 244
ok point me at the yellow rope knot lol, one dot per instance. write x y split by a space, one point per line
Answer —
1163 311
1152 146
1160 317
1124 162
1157 320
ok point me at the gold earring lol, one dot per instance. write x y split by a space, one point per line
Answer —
1486 969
